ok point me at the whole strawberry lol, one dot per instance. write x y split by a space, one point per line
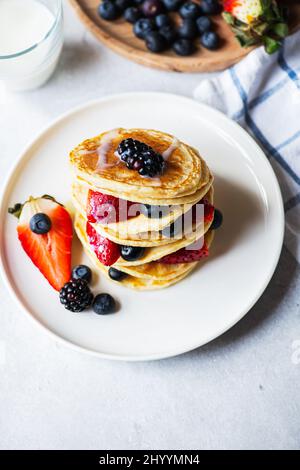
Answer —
256 22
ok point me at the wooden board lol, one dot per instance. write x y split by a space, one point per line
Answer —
118 36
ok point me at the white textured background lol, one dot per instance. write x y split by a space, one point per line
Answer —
240 392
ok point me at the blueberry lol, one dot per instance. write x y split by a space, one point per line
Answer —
132 14
204 24
162 20
210 7
123 4
190 10
151 8
104 304
116 275
40 223
172 5
188 29
210 40
109 11
218 220
183 47
132 253
82 272
143 26
155 42
169 33
154 212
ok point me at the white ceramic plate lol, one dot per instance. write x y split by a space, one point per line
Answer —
158 324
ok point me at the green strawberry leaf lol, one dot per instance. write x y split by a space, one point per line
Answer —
271 45
228 18
280 29
276 10
18 207
51 198
245 40
16 210
261 28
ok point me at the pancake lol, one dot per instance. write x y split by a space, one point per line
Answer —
151 253
161 271
137 224
184 181
138 230
149 276
189 199
95 161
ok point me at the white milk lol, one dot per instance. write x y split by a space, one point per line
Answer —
23 25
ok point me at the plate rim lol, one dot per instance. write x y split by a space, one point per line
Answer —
24 155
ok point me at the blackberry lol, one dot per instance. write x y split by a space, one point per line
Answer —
76 295
141 157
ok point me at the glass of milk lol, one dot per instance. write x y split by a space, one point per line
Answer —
31 37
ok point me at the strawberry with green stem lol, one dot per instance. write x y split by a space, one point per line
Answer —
49 251
256 22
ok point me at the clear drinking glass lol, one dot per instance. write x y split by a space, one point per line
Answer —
29 68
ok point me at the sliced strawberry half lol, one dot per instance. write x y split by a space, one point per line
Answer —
50 252
106 251
185 255
106 209
209 211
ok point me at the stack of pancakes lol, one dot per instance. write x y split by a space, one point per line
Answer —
185 181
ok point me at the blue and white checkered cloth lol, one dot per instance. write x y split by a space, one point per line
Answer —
262 93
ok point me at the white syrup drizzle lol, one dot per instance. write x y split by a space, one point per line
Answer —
168 152
154 180
104 148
